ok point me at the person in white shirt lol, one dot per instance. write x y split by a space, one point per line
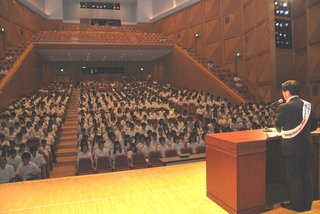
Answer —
117 149
101 151
162 147
13 159
192 143
36 157
6 171
27 169
84 153
133 149
177 145
148 147
203 140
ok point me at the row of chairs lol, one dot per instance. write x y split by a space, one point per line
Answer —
121 161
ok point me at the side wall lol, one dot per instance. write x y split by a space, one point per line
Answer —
20 22
306 41
227 28
29 77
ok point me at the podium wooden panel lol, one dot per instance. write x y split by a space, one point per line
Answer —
240 164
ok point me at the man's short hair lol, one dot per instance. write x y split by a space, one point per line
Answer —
292 86
33 149
25 155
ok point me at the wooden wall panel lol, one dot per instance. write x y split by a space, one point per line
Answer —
249 43
16 9
157 27
250 71
229 5
248 16
212 8
263 68
234 27
196 13
214 52
4 8
314 23
184 38
213 30
298 7
181 19
245 2
300 32
314 61
169 24
301 65
194 30
231 47
30 20
263 37
261 10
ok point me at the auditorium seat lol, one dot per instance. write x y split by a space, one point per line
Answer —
84 166
200 149
170 153
139 161
103 164
186 150
153 159
121 162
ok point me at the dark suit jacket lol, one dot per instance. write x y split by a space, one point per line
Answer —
289 116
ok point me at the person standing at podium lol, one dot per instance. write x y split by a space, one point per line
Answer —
295 120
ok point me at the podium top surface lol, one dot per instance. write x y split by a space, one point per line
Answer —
238 143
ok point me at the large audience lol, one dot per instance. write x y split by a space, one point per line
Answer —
128 117
116 117
29 132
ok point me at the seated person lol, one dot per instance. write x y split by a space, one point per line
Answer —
44 148
148 147
133 149
177 145
162 146
101 151
27 169
36 157
84 153
13 159
6 171
117 149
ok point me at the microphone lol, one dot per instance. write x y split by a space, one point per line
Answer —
278 102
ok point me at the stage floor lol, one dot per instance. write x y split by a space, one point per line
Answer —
170 189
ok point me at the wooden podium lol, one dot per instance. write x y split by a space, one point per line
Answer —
237 172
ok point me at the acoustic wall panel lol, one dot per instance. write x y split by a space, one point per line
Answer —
181 19
249 43
213 30
263 68
212 8
232 24
261 10
300 64
229 5
169 24
196 13
314 61
314 23
214 52
300 32
298 7
16 9
248 16
231 47
4 8
263 37
250 71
